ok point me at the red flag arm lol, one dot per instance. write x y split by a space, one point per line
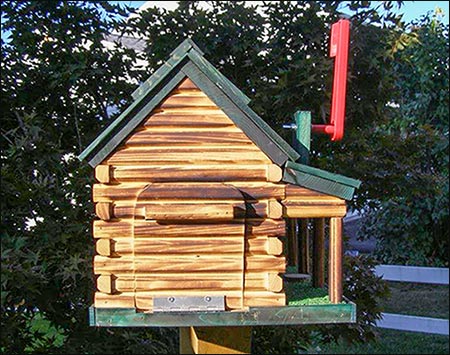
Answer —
339 43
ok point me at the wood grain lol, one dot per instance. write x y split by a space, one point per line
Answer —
177 263
187 84
252 191
221 137
127 209
190 211
186 118
190 191
189 163
265 227
187 99
261 299
153 229
176 245
264 245
177 281
104 210
215 340
195 173
265 263
130 156
262 281
102 173
183 245
310 209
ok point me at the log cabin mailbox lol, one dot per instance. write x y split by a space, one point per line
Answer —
193 194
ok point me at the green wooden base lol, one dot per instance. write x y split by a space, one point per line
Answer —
288 315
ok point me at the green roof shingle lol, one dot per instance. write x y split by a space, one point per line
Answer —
187 61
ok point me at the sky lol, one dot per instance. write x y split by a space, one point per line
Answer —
411 9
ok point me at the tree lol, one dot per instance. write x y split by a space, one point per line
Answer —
58 83
411 216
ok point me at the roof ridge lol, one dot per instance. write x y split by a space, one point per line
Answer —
272 144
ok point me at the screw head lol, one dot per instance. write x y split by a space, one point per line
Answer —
171 299
208 299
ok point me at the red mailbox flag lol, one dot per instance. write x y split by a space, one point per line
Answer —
339 43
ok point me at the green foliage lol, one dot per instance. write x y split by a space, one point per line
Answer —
60 84
361 286
57 81
410 219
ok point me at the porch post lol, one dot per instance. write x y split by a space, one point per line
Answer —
335 261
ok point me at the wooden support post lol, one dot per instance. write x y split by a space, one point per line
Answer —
215 340
335 261
319 253
303 250
292 248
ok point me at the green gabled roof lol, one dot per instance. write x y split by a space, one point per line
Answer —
187 61
320 180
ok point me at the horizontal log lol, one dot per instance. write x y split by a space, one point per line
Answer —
172 263
129 156
160 191
262 281
313 210
270 263
106 284
264 299
102 173
259 190
294 191
263 209
198 137
265 227
149 229
274 282
190 211
275 209
264 245
169 282
178 245
123 300
189 281
196 173
194 100
206 118
105 246
190 191
104 210
250 191
123 209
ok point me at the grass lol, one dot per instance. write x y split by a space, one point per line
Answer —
406 298
393 342
301 293
424 300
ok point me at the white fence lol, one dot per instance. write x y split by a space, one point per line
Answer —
417 274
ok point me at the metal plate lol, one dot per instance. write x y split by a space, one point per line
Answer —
188 304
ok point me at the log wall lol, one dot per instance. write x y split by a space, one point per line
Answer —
188 205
